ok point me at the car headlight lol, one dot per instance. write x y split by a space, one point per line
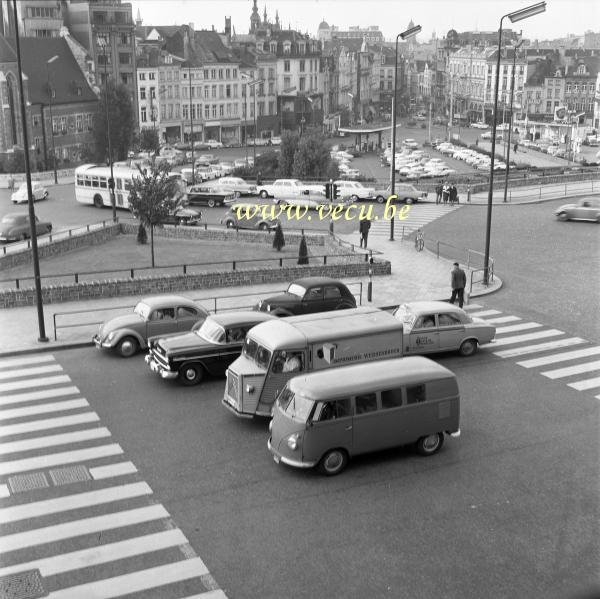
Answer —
268 307
111 336
292 441
271 425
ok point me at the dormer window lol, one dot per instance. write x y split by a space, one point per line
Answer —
301 48
557 74
287 47
273 47
581 69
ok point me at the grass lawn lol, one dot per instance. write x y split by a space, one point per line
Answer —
123 252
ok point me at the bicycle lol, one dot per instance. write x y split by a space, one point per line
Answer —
419 241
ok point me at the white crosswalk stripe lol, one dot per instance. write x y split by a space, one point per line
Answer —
586 384
417 217
562 357
82 490
517 327
539 347
571 370
502 319
528 337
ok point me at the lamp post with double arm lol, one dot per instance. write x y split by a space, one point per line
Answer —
252 84
405 35
48 63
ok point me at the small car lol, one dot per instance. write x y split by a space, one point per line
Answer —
213 143
410 143
304 202
15 226
208 349
208 195
584 209
433 326
480 125
184 215
235 186
275 141
38 191
309 295
406 192
248 216
152 316
354 190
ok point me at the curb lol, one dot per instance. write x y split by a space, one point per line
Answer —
538 201
46 348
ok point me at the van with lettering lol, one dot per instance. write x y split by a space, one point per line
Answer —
278 350
324 418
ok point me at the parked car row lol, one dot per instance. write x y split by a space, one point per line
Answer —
473 158
412 163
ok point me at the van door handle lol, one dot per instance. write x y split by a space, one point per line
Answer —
349 428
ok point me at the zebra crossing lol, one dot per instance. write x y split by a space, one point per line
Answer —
76 520
578 368
417 216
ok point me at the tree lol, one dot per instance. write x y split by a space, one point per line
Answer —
278 240
149 141
312 158
122 123
303 251
289 145
152 197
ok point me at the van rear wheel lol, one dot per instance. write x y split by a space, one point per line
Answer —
333 462
430 444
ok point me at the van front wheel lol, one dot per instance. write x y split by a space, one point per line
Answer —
333 462
430 444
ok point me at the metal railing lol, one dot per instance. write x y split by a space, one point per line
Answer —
214 300
475 272
552 190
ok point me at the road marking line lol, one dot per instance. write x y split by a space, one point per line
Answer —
56 459
586 384
134 582
101 554
33 395
501 319
485 313
23 372
120 469
12 362
73 502
517 327
529 337
84 526
562 357
532 349
570 370
4 492
51 440
59 406
49 380
472 307
47 423
216 594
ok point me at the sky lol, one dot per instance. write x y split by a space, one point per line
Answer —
392 16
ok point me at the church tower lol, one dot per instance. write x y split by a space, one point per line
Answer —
254 18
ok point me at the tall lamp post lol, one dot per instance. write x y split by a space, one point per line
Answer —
510 116
515 16
111 182
405 35
252 85
32 229
191 124
48 63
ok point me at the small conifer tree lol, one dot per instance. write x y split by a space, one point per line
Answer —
278 240
303 251
142 236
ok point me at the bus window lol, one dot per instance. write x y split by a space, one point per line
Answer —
126 184
94 181
103 183
88 182
119 183
366 403
80 180
415 394
392 398
332 410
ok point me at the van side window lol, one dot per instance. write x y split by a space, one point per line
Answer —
335 409
366 403
392 398
415 394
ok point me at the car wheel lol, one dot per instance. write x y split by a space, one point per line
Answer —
354 198
468 347
408 201
333 462
264 195
211 203
191 374
563 216
127 347
380 199
229 224
430 444
263 226
98 203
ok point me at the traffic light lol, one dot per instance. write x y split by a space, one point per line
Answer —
335 192
328 190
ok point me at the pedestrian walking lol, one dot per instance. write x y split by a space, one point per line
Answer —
458 283
364 227
445 192
259 178
438 193
453 194
515 147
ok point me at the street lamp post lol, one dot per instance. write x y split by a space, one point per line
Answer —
252 85
515 16
32 228
48 63
510 117
404 35
191 124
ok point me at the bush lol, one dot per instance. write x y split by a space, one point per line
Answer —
303 251
278 239
142 236
423 125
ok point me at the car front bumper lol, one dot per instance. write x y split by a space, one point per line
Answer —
101 344
278 457
159 369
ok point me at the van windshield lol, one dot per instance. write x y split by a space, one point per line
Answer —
257 353
295 406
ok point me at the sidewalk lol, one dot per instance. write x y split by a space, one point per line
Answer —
415 276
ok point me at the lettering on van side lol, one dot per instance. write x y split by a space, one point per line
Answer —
394 351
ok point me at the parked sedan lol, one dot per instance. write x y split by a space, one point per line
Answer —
235 186
38 191
152 316
584 209
208 195
15 226
309 295
303 202
354 190
183 215
213 143
406 193
248 216
207 349
431 326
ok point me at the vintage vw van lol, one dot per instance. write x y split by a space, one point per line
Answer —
324 418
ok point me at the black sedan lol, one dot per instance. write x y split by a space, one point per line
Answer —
183 216
308 295
208 350
16 226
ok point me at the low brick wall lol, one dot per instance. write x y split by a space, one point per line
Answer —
166 284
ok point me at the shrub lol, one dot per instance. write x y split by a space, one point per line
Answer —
303 251
423 125
278 239
142 236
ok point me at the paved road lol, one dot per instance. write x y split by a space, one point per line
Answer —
507 510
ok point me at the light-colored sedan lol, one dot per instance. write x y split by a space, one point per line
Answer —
303 202
38 191
354 190
431 327
584 209
235 185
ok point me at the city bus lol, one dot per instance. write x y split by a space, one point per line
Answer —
91 185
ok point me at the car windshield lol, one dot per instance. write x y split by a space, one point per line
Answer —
211 331
295 406
143 310
257 353
296 289
23 187
404 314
